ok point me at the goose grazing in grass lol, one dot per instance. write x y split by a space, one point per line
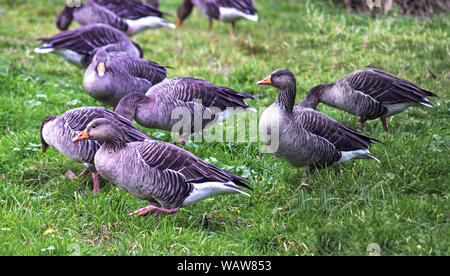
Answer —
166 176
131 16
188 95
305 137
370 94
58 132
77 46
112 75
223 10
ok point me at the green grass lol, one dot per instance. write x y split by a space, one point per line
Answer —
400 204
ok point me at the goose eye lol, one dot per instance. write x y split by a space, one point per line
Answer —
93 126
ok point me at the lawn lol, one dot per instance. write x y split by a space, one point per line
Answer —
400 204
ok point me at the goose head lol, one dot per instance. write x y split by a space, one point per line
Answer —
100 62
281 78
65 18
184 10
127 105
44 145
102 130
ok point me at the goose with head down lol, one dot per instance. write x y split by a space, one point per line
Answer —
223 10
130 16
113 75
58 132
166 176
305 137
187 95
370 94
78 45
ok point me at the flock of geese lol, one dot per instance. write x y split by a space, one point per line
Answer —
165 175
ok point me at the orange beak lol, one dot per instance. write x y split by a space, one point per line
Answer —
101 68
265 81
179 21
82 136
60 31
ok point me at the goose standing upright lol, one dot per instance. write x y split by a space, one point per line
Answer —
58 132
130 16
305 137
111 76
155 108
223 10
77 46
370 94
162 174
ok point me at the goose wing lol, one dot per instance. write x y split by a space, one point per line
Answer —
166 157
190 89
139 67
84 39
386 88
342 137
245 6
130 9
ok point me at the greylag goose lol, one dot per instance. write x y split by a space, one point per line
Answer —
305 137
77 46
162 174
154 109
130 16
58 132
111 76
370 94
223 10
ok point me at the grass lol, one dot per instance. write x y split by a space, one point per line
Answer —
400 204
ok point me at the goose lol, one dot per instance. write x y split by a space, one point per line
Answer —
370 94
303 136
166 176
112 75
155 108
58 132
77 46
223 10
130 16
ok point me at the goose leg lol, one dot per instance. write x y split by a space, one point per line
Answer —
152 209
385 127
362 122
210 21
233 28
96 189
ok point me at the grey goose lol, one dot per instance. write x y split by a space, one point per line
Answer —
130 16
370 94
78 45
166 176
112 75
155 108
223 10
58 132
303 136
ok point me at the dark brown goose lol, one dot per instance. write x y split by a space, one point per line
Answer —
305 137
162 174
223 10
187 95
370 94
130 16
77 46
58 132
111 76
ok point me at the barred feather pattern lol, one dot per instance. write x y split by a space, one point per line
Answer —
159 172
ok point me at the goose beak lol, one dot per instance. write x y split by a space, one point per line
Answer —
179 21
82 136
60 31
266 81
101 68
